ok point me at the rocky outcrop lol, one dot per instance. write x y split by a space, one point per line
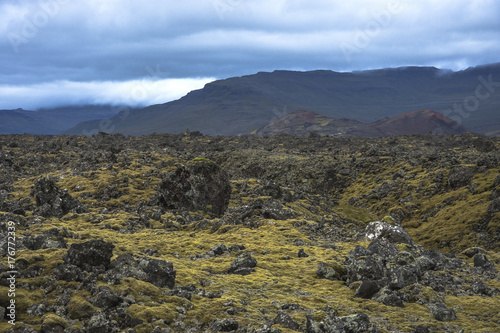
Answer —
52 201
158 272
243 264
199 185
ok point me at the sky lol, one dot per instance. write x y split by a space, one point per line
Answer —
143 52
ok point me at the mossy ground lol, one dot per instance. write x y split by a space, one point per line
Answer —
113 190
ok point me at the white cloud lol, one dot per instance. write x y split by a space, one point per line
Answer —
132 93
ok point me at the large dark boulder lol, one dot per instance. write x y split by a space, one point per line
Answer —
199 185
52 201
243 264
367 289
158 272
94 255
364 268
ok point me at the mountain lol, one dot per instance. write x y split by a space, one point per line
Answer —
416 122
241 104
53 121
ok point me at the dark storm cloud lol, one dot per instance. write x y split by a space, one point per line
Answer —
66 43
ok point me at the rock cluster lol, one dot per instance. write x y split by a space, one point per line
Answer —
199 185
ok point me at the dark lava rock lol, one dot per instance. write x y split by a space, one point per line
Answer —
275 211
350 324
460 176
217 250
359 251
52 201
389 298
494 206
440 312
53 328
364 269
91 255
382 247
243 264
481 261
200 185
302 254
98 323
282 318
403 276
393 233
421 329
106 298
224 325
479 288
367 289
50 239
158 272
68 273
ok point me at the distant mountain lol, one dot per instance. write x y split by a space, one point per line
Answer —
242 104
53 121
416 122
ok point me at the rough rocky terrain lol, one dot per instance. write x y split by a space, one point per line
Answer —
190 233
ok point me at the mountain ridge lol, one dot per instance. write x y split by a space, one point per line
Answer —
239 105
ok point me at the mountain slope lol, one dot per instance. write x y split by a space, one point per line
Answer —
241 104
52 121
415 122
303 122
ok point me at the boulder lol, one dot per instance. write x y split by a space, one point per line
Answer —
199 185
158 272
366 268
367 289
440 312
282 318
90 256
52 201
482 262
243 264
393 233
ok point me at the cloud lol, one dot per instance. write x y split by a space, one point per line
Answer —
132 93
112 41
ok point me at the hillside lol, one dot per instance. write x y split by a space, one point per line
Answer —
416 122
242 104
192 233
54 121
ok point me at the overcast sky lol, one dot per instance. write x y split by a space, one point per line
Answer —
140 52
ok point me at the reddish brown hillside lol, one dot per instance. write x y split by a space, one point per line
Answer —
418 122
